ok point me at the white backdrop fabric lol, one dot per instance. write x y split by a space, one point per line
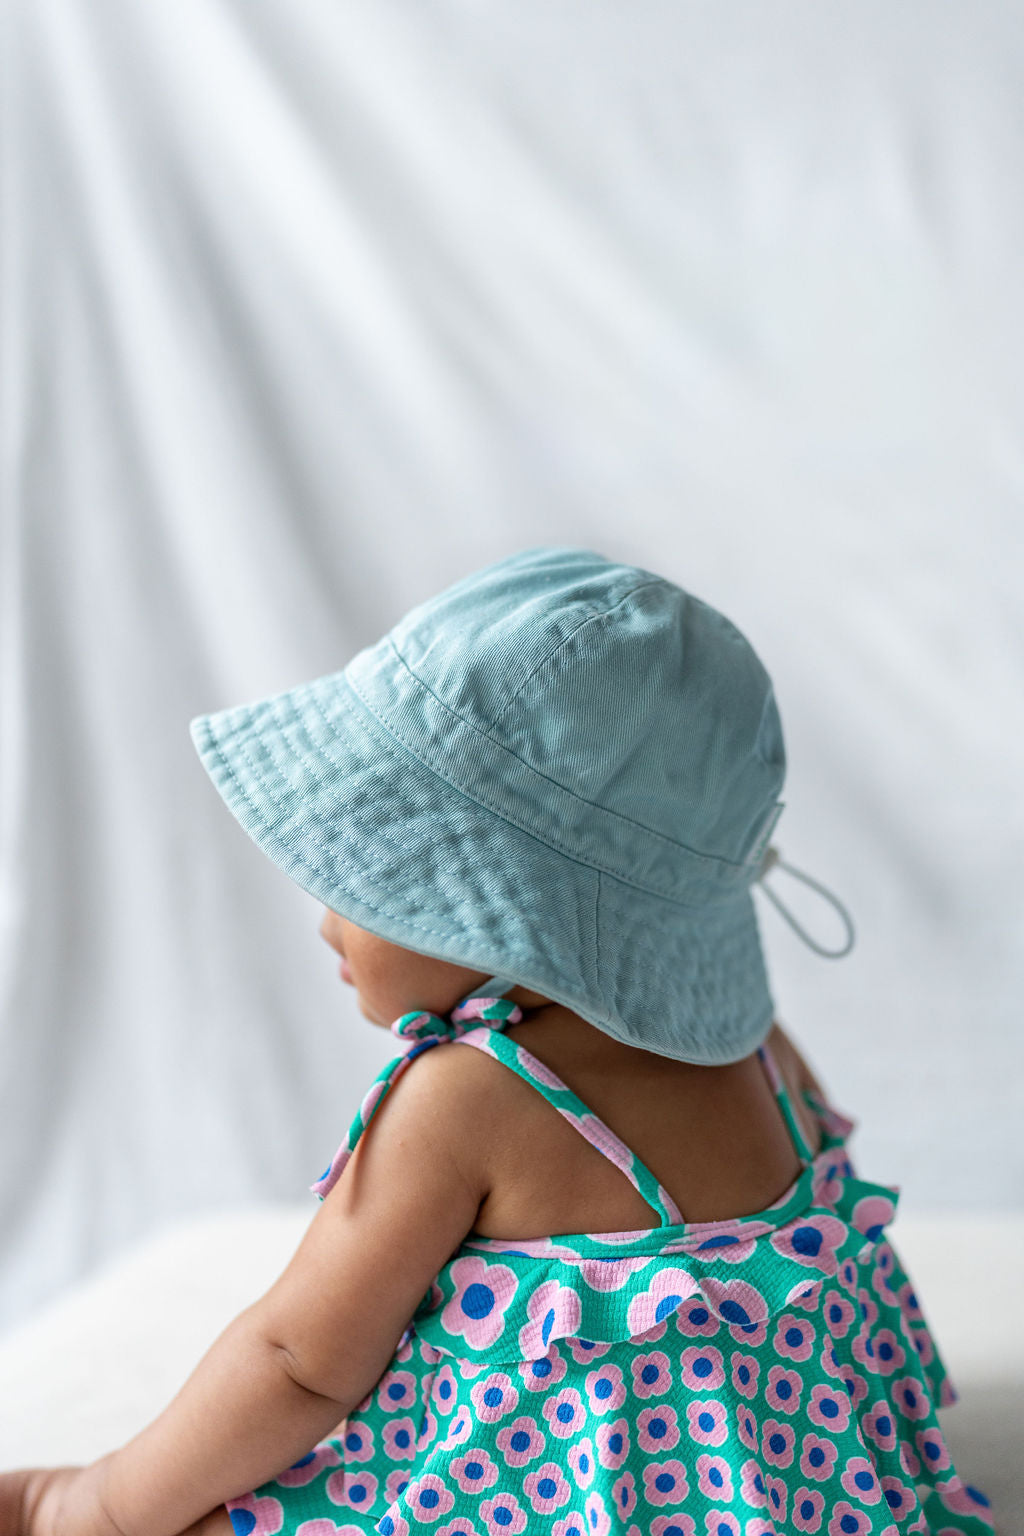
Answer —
308 309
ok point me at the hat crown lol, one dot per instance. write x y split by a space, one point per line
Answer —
617 685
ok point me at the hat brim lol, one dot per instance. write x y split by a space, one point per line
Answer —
361 824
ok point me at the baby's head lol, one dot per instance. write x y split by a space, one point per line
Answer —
562 772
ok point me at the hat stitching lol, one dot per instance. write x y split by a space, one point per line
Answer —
713 861
477 798
591 618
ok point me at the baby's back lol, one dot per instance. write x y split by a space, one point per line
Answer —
714 1137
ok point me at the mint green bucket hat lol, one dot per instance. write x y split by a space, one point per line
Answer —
560 771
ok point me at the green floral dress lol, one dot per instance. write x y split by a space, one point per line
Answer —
771 1373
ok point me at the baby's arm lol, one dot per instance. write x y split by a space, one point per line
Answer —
291 1367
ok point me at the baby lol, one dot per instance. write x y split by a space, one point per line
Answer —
611 1269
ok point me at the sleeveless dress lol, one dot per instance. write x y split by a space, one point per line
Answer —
770 1373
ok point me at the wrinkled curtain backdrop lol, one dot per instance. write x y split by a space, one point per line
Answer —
311 307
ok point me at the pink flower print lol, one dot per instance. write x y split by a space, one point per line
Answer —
933 1449
701 1368
729 1243
775 1488
882 1274
879 1426
922 1342
898 1497
483 1292
804 1295
404 1348
399 1437
718 1522
695 1319
706 1421
624 1495
838 1312
910 1464
428 1430
745 1371
867 1306
327 1528
665 1482
657 1429
583 1350
909 1304
503 1515
538 1071
595 1516
758 1526
746 1427
872 1214
520 1442
572 1525
395 1484
909 1396
667 1290
889 1354
777 1442
847 1521
468 1369
811 1240
794 1337
830 1362
848 1276
783 1389
673 1525
252 1516
752 1489
740 1305
494 1397
565 1412
605 1389
553 1311
428 1498
459 1430
356 1489
817 1457
460 1526
859 1480
827 1184
652 1376
546 1489
396 1389
473 1470
540 1375
445 1390
808 1504
303 1471
828 1409
961 1499
714 1477
855 1384
612 1444
581 1460
612 1273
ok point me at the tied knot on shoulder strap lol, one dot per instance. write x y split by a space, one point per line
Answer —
772 858
467 1015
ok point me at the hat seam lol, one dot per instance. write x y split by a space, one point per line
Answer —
592 617
714 860
477 799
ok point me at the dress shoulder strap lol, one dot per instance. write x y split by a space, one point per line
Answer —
582 1119
804 1150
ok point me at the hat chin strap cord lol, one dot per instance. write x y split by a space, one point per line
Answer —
771 858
